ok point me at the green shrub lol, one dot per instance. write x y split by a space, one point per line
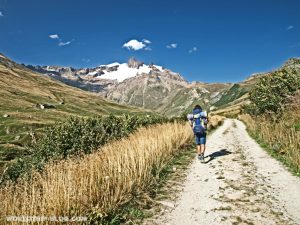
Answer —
271 92
297 127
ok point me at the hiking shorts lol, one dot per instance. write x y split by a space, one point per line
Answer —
200 139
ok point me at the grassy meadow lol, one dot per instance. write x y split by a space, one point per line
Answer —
98 183
22 89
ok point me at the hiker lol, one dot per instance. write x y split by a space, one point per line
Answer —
198 121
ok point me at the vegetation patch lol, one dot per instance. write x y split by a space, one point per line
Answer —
274 116
98 184
73 137
281 141
235 92
273 91
147 204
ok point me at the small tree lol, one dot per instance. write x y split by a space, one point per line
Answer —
271 92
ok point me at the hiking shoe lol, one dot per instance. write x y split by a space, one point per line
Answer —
202 158
199 157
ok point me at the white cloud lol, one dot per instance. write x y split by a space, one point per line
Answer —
59 40
64 43
173 45
1 14
148 48
194 49
146 41
290 27
134 45
85 60
54 36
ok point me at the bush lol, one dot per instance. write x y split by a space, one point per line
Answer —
74 137
271 92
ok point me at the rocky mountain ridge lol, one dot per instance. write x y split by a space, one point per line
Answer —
153 87
135 83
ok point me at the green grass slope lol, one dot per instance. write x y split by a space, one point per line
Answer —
232 100
22 89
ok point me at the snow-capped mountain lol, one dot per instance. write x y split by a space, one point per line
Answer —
121 72
102 78
152 86
135 83
114 71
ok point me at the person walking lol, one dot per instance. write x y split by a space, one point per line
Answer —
198 121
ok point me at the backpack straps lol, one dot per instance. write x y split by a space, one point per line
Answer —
196 116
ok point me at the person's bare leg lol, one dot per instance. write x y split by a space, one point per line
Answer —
199 149
202 149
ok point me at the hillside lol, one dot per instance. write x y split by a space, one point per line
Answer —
135 83
156 88
237 95
29 100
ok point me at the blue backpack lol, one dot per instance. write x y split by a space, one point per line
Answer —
198 128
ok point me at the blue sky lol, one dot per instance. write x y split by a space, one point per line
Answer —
210 41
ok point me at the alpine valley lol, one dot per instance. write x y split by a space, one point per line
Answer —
154 87
134 83
33 97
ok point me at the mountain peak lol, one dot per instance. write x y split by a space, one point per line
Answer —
134 63
6 61
3 56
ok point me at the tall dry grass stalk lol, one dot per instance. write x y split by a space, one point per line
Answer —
281 136
101 181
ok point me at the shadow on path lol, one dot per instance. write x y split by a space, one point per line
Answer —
217 154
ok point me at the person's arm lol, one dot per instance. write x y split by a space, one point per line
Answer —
204 117
189 117
206 120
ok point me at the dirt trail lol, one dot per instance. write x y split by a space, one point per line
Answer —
239 184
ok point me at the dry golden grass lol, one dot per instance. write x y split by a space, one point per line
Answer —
215 121
249 121
282 136
101 181
234 108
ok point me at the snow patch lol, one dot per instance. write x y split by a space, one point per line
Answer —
112 64
92 73
123 72
48 68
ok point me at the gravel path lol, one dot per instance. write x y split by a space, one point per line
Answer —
239 184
